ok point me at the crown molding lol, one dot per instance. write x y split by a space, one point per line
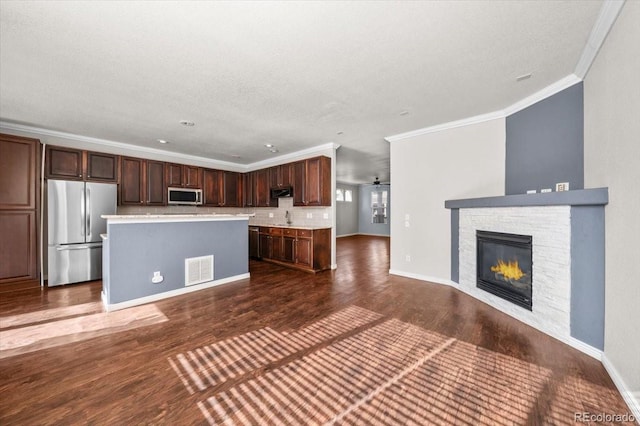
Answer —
604 22
118 145
446 126
285 158
178 156
540 95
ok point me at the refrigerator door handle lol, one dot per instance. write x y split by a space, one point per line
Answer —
79 247
88 209
83 221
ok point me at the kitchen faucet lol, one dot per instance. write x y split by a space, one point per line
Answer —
288 217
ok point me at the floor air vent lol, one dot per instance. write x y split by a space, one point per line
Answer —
198 270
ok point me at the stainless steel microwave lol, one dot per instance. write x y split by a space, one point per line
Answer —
186 196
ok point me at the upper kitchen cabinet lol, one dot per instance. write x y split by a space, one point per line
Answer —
180 175
281 176
64 163
102 167
221 188
312 182
75 164
18 172
142 182
262 188
248 189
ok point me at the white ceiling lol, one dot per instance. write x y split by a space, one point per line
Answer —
292 74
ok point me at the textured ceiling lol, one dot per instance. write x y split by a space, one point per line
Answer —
292 74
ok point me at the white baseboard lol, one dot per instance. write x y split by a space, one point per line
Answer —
346 235
573 342
420 277
632 399
374 235
170 293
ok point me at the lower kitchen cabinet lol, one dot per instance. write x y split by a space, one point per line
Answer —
305 249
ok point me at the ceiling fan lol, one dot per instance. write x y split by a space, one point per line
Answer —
377 182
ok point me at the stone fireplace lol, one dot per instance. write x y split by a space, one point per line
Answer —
538 258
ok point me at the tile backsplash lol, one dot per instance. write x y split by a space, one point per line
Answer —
298 214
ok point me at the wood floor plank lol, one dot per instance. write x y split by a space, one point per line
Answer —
311 364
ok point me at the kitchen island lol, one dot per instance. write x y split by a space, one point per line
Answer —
152 257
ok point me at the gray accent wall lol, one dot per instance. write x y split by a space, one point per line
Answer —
136 250
587 274
545 144
455 245
347 213
364 217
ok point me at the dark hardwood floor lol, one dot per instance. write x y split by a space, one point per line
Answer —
350 346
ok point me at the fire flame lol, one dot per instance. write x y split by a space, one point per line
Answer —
509 270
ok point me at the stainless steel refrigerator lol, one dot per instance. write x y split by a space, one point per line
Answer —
74 228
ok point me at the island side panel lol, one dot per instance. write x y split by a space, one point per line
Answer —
137 250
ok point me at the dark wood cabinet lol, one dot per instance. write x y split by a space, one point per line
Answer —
19 208
155 193
183 176
248 189
131 181
142 182
101 167
254 242
210 187
263 190
64 163
304 249
75 164
265 245
221 188
281 176
304 252
312 182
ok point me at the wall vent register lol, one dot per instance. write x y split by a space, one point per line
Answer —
198 270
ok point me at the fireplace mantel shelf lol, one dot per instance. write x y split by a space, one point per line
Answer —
581 197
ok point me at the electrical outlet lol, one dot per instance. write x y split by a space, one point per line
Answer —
270 215
407 224
309 215
545 190
325 215
407 258
531 191
562 186
157 278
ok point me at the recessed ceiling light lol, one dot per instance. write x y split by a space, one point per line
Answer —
404 112
340 132
187 123
524 77
268 145
235 156
274 150
162 141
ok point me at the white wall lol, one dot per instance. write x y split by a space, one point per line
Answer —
612 159
347 212
426 170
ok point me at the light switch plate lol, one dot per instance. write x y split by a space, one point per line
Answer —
562 186
270 215
545 190
325 215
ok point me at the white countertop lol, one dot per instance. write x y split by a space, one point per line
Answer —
186 217
292 226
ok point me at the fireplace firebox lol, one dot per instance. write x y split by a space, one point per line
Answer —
504 266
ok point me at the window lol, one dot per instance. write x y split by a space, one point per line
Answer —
344 195
378 206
